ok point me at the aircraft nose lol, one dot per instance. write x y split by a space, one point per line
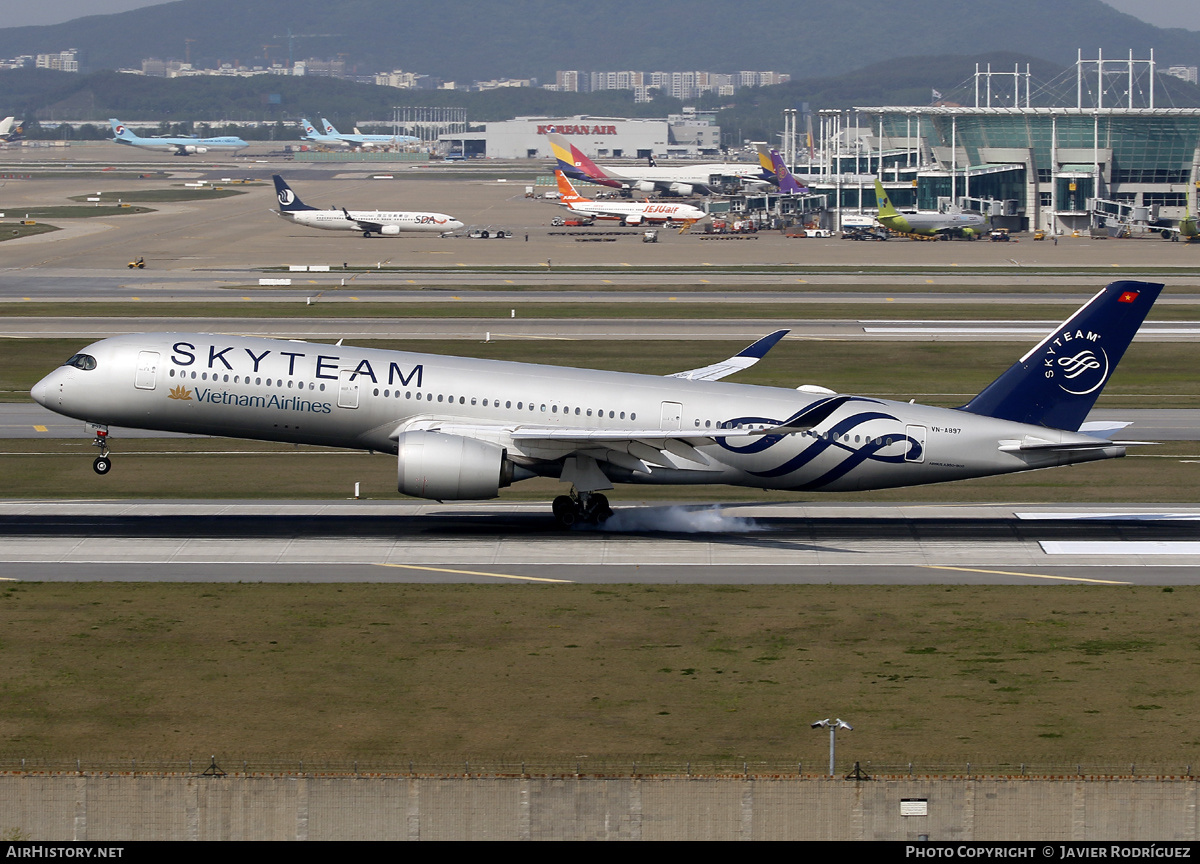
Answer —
39 392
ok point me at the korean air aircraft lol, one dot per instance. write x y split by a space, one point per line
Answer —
182 146
366 142
381 222
464 428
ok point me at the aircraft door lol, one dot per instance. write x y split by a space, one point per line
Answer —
147 370
672 414
347 389
916 447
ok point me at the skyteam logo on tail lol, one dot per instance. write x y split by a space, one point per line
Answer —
1076 368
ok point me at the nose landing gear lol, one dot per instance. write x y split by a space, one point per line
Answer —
103 464
589 508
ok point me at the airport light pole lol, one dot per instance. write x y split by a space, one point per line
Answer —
833 726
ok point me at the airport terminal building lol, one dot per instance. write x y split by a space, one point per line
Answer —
1059 169
1111 165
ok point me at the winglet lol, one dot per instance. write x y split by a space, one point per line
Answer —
742 360
760 348
1058 381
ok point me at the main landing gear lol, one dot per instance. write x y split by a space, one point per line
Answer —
589 508
103 463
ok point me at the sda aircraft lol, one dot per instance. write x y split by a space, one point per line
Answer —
382 222
626 212
702 179
969 225
185 146
366 142
464 428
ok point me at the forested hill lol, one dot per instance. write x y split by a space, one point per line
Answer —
484 39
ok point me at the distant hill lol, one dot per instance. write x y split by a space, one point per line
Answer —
754 113
483 39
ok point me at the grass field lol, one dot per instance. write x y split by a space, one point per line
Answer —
196 193
13 230
1049 676
622 310
81 211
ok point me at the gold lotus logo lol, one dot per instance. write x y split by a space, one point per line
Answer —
180 392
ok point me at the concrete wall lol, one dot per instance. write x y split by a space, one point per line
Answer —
48 807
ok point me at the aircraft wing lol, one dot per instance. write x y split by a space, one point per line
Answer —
364 224
742 360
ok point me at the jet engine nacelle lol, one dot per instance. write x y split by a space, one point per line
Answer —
192 148
450 467
390 229
635 219
644 186
682 188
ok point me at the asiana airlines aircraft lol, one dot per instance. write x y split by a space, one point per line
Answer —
464 428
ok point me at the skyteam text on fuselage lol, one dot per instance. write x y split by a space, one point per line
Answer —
463 428
381 222
180 146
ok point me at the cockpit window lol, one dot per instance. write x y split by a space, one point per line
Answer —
82 361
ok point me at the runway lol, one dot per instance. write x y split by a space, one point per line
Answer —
356 541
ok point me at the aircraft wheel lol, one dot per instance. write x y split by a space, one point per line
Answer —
564 511
102 465
597 508
485 234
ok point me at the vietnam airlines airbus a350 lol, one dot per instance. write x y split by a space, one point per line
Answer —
464 428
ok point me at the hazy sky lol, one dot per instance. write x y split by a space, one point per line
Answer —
18 13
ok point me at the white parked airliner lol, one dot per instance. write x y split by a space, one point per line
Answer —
381 222
464 428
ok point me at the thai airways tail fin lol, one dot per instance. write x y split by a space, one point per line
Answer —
788 184
886 208
329 127
566 189
289 201
120 131
1058 381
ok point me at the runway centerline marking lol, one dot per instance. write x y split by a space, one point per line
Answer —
472 573
1028 575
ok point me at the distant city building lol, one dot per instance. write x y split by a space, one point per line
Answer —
1187 73
685 85
64 61
21 62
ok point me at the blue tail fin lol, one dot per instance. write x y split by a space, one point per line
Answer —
120 131
289 201
1058 381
